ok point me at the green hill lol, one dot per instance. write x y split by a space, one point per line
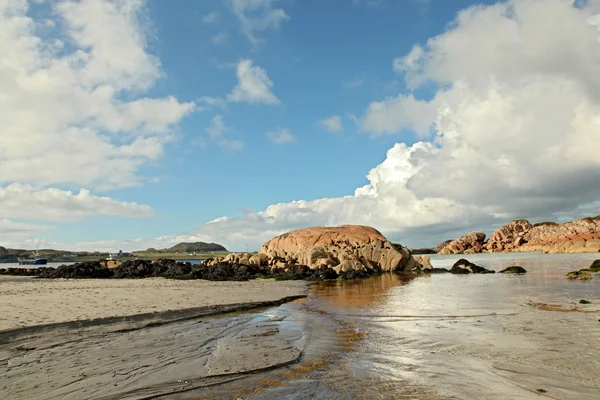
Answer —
194 247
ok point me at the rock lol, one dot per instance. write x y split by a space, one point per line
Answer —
467 244
595 266
579 275
440 246
423 251
259 260
463 266
424 262
347 248
582 301
87 270
224 272
571 237
514 270
509 236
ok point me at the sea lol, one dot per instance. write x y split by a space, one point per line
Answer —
441 336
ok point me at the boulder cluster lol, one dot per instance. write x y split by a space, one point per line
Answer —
318 253
520 235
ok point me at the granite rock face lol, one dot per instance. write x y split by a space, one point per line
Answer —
468 244
509 236
343 248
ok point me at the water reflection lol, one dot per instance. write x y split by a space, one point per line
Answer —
444 336
358 293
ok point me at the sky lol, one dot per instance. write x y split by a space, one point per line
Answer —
128 124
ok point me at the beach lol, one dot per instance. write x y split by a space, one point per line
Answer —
28 301
102 339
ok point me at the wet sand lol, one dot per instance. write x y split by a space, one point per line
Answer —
29 301
134 339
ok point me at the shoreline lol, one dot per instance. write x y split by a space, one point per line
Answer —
28 302
146 354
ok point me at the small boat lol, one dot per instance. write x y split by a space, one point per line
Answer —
36 260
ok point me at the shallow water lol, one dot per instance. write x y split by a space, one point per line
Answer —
442 336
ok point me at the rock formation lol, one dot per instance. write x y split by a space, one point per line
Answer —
520 235
440 246
509 236
463 266
572 237
515 269
468 244
343 248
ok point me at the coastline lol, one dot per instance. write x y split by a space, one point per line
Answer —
28 302
152 352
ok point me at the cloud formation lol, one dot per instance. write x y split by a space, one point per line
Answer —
63 110
511 132
258 16
254 85
332 124
281 137
24 201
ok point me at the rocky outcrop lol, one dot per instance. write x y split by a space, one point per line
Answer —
463 266
424 262
509 236
468 244
521 236
580 275
515 269
347 248
572 237
440 246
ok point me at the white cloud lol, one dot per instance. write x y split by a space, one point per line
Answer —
254 85
217 130
234 145
220 38
206 102
23 201
258 16
281 137
211 17
511 132
332 124
354 83
217 126
63 116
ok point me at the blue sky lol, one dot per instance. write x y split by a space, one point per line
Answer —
354 62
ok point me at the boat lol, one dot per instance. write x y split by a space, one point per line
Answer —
36 260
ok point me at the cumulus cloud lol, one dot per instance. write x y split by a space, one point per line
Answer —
24 201
281 137
258 16
211 17
511 132
332 124
63 110
220 38
254 85
217 130
228 144
217 126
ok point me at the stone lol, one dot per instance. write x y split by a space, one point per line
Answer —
349 247
595 266
424 262
463 266
508 236
579 275
468 244
514 270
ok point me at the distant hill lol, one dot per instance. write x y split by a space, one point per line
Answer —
194 247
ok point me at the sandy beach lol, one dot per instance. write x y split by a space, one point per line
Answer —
29 301
103 339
